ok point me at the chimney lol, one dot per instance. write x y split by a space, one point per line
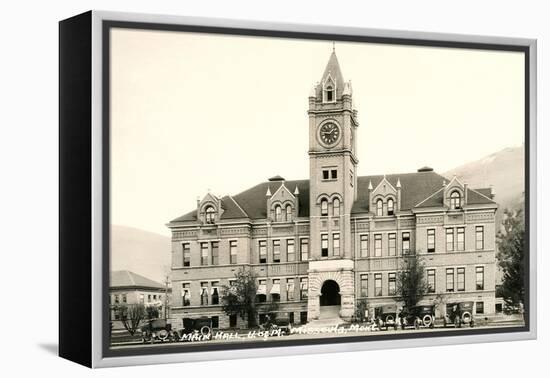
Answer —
492 191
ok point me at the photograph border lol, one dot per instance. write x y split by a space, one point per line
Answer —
103 22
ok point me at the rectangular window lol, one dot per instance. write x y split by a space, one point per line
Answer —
124 298
233 252
304 249
262 248
406 243
333 174
204 253
204 293
460 239
303 317
377 245
336 244
364 245
431 240
291 317
391 284
479 307
324 245
378 284
450 239
215 322
364 285
116 298
186 254
233 321
186 294
450 279
303 288
290 289
148 298
290 252
480 279
276 251
325 174
261 294
431 280
460 279
215 252
391 244
479 237
215 292
276 290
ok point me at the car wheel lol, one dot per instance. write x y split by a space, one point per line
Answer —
417 323
427 321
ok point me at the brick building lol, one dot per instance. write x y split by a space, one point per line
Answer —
327 241
129 288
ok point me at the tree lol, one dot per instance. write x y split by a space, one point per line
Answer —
152 312
411 285
239 298
511 257
360 310
131 316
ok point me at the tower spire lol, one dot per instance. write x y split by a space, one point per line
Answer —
333 47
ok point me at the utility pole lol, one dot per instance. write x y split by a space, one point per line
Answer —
166 298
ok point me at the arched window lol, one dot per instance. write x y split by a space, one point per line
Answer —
336 207
210 214
330 93
324 207
379 208
455 200
390 207
277 213
288 213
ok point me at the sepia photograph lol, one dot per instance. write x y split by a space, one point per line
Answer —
270 190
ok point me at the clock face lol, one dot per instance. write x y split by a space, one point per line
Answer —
329 133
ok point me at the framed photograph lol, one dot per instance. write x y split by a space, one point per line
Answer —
235 189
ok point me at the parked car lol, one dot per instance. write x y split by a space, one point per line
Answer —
459 313
200 326
157 330
386 316
418 316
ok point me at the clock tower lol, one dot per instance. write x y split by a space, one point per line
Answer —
333 190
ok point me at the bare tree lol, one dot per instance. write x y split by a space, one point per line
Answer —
131 316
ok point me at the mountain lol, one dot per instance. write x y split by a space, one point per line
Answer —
141 252
504 170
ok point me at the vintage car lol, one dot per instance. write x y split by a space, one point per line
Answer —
200 326
418 316
459 313
386 316
157 330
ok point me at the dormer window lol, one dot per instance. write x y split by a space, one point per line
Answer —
390 207
288 213
330 93
455 200
324 207
336 207
277 213
379 208
210 215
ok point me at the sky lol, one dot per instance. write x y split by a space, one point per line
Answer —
192 113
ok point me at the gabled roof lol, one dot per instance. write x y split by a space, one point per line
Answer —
126 279
418 189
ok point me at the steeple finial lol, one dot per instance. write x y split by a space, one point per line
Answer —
333 46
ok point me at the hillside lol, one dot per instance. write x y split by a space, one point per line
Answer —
504 170
141 252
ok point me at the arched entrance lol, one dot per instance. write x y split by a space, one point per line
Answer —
330 294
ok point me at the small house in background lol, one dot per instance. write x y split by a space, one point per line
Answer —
129 288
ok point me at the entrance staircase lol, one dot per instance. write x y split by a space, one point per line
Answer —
329 317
